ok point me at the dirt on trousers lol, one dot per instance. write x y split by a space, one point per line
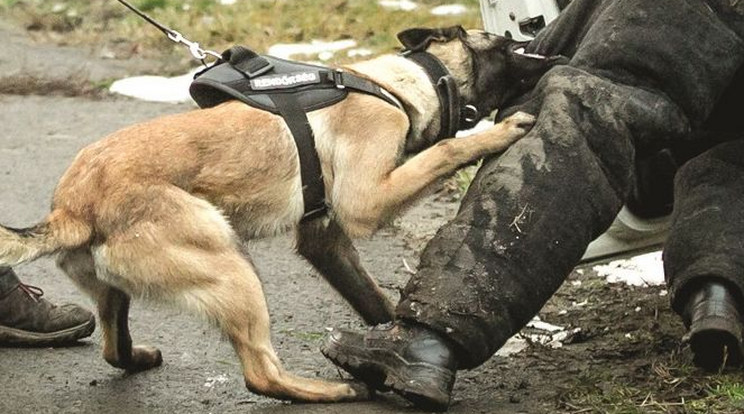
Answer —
624 354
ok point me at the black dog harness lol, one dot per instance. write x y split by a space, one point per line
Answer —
291 89
287 88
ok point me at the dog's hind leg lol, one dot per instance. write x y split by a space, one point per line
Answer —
237 304
233 298
324 244
185 251
113 313
78 265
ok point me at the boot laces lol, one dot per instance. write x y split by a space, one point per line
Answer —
34 292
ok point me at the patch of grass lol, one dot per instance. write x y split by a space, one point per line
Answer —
672 385
454 187
149 5
597 391
464 176
257 24
306 336
726 392
25 84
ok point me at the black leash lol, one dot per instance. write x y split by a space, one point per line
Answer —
196 51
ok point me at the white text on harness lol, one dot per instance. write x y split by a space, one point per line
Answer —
285 80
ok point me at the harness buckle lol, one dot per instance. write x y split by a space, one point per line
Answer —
338 78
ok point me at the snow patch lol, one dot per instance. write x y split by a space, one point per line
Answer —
156 88
361 52
540 332
513 345
315 47
643 270
543 326
479 127
219 379
404 5
449 10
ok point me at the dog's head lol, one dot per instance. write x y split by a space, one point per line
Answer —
488 69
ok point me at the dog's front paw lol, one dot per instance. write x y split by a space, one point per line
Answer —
500 136
519 124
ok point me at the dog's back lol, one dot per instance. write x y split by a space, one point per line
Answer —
240 159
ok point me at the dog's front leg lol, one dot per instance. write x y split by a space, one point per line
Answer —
324 244
415 175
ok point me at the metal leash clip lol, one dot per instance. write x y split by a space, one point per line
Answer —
194 48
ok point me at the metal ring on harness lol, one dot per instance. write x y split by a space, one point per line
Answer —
469 114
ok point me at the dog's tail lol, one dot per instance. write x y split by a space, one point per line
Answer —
59 231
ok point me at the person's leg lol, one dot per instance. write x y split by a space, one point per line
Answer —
523 225
26 319
704 255
529 214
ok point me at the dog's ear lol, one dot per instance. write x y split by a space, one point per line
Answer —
418 38
451 33
528 67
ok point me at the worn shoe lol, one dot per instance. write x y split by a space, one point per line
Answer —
411 360
28 320
715 327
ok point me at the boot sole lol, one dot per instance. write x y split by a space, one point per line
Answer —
20 338
425 385
716 343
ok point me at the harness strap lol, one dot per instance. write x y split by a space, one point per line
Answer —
313 189
349 80
449 98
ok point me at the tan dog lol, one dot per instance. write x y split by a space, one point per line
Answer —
157 210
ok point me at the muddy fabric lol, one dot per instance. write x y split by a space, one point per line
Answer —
8 280
643 76
707 236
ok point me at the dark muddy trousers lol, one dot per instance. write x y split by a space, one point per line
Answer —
707 235
643 76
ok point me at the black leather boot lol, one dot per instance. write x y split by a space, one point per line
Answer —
413 361
26 319
714 320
